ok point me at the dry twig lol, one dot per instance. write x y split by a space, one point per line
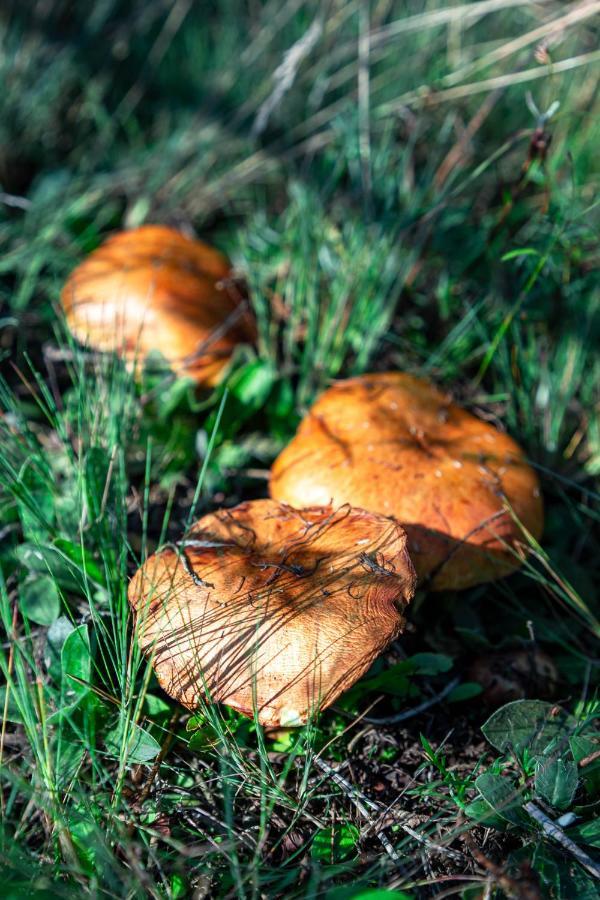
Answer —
409 713
554 831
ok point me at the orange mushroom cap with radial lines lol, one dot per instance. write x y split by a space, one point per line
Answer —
397 445
152 288
268 608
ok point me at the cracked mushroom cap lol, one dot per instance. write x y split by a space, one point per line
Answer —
152 288
397 445
275 607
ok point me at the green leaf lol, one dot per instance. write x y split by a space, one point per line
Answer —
556 781
70 751
583 745
36 504
39 600
561 878
11 713
587 833
281 410
141 747
176 396
331 845
502 796
527 725
247 392
514 254
392 681
61 561
480 811
82 559
75 669
84 834
76 664
396 681
155 707
429 663
178 887
55 638
204 739
465 691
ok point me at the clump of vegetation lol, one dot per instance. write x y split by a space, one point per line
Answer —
400 189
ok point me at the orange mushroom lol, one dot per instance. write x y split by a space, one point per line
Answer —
152 288
397 445
268 608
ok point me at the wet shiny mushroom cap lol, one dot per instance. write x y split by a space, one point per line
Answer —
270 608
396 445
152 288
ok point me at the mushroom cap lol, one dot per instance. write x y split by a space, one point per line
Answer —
270 608
396 445
152 288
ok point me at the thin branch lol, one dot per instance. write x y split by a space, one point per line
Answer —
362 803
554 831
524 888
409 713
358 797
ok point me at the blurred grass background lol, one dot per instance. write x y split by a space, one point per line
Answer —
386 178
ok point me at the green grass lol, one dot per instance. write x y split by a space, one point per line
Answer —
380 193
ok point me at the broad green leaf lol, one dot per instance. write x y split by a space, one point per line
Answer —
465 691
140 746
179 887
396 679
62 561
281 410
247 391
527 725
556 781
36 505
331 845
392 681
429 663
39 600
205 738
561 877
84 834
481 811
75 673
582 746
587 833
156 707
82 559
76 663
56 635
69 753
501 794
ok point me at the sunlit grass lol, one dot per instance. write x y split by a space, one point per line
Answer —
370 170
